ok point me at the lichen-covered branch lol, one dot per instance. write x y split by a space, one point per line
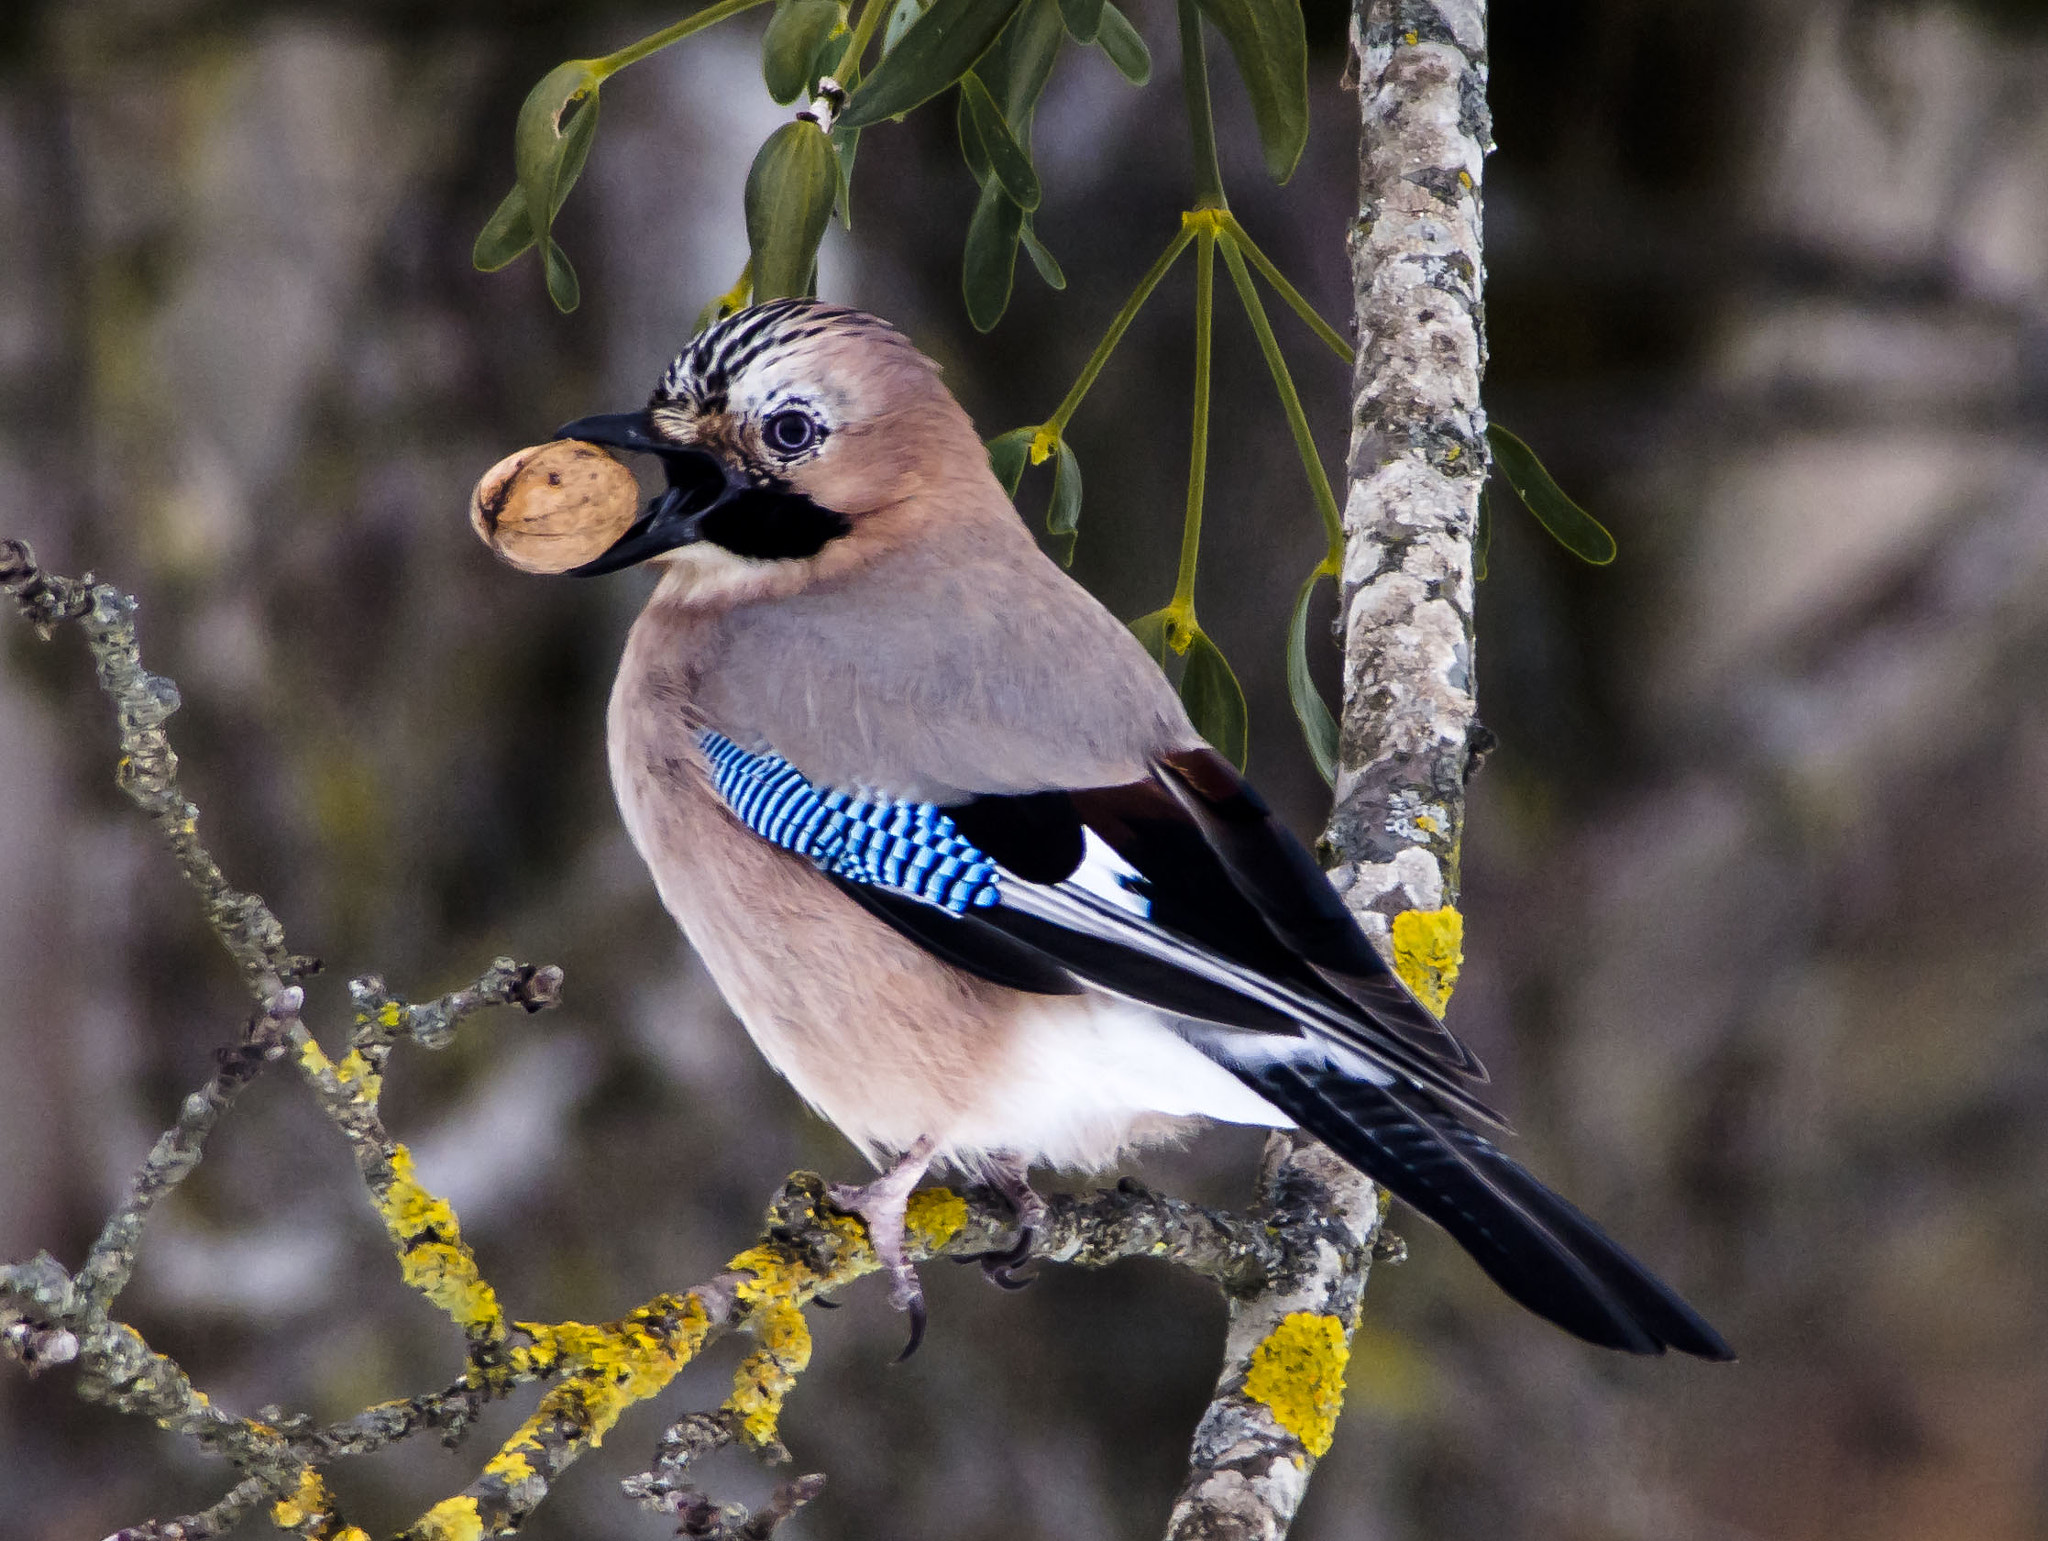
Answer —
1293 1269
1418 461
178 1150
148 769
1282 1385
1409 730
1288 1263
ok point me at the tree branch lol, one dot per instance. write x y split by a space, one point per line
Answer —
1409 725
1289 1268
1294 1269
1418 457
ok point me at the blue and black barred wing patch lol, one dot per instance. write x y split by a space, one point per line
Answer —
908 848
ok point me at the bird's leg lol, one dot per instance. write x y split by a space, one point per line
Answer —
880 1205
1012 1178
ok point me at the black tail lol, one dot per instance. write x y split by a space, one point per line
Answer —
1532 1243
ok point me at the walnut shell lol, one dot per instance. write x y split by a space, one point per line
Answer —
554 506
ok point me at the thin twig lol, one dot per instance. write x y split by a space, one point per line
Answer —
1295 1255
179 1148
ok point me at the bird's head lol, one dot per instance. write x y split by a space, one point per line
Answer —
793 433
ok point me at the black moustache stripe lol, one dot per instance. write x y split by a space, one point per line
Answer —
772 526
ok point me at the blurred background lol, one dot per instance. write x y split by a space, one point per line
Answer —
1757 883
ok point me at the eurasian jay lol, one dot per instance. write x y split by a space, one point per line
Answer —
942 833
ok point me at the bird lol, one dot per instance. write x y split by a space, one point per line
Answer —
945 838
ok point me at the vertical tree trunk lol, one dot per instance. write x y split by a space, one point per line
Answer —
1417 462
1418 458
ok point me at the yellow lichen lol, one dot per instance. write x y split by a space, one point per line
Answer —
765 1378
509 1466
390 1017
310 1510
452 1519
309 1501
354 1071
612 1366
313 1059
773 1289
1429 948
432 1255
1298 1374
605 1370
934 1217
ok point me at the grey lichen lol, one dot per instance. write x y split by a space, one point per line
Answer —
1406 742
1296 1252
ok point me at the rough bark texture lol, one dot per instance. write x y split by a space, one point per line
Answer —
1418 457
1282 1386
1409 730
1294 1269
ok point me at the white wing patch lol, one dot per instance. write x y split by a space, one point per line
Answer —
1107 875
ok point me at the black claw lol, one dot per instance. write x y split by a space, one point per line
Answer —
916 1310
999 1268
1015 1255
826 1305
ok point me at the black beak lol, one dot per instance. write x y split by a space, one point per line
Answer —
697 483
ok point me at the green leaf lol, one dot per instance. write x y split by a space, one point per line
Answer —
1048 269
1482 535
973 149
1016 69
1154 632
1126 50
506 234
939 48
562 286
831 48
1317 725
550 143
990 264
845 144
1007 454
789 48
1007 159
790 191
1063 514
1214 699
1569 525
1271 49
906 12
1083 18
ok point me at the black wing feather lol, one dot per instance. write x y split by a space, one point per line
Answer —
980 950
1280 878
1243 927
1533 1243
1138 976
1037 835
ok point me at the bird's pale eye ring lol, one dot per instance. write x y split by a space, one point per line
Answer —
790 432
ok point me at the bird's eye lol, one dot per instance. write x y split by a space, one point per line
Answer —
790 432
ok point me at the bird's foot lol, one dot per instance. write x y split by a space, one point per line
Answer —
879 1206
1013 1180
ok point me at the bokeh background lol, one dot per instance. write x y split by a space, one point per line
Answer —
1757 882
